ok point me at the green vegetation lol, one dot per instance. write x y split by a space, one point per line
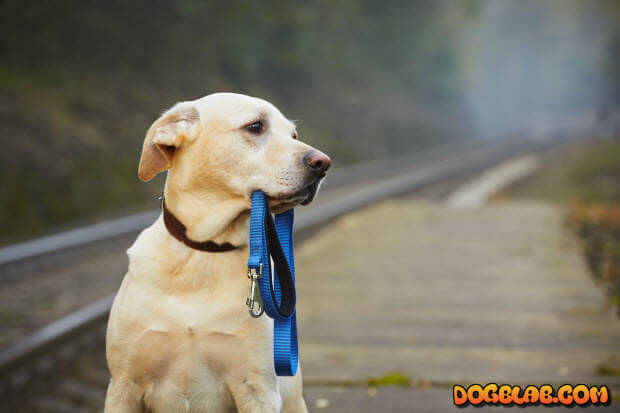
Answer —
588 173
81 81
609 371
390 379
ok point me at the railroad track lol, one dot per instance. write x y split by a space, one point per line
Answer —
56 291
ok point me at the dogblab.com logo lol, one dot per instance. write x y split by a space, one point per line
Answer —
508 395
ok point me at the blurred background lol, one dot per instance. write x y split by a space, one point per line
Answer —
483 136
81 81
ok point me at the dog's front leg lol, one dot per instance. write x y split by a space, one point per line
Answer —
122 398
256 394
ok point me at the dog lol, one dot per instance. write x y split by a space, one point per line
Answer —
179 337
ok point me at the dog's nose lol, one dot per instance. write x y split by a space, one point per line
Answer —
317 161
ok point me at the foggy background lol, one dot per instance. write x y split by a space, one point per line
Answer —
81 82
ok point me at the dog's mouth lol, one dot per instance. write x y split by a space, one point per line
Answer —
309 191
302 196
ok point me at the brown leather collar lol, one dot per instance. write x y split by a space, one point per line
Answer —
177 230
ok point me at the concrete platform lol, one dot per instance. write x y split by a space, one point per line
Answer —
497 293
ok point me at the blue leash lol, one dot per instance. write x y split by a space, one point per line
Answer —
269 240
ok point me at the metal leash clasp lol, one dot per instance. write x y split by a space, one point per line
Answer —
255 301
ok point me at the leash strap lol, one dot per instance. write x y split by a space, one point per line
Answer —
274 241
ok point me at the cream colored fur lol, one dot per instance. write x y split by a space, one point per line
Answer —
179 337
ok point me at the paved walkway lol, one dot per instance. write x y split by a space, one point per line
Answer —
497 293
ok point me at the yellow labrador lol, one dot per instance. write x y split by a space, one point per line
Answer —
180 338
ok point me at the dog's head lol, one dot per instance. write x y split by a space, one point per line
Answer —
230 145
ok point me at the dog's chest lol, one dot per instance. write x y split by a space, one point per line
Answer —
190 347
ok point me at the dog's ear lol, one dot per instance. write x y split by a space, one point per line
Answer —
167 133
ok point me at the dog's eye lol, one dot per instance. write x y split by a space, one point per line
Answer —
295 136
255 127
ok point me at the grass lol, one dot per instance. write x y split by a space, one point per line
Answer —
390 379
588 173
81 82
608 371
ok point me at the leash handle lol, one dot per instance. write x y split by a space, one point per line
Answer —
274 240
